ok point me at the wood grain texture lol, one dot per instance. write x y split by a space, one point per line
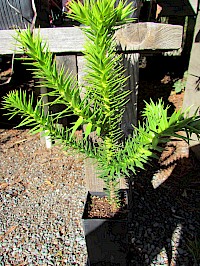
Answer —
194 65
135 36
192 90
60 40
81 73
69 63
192 94
149 36
194 4
131 65
93 182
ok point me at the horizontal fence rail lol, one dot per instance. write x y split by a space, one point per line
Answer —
133 37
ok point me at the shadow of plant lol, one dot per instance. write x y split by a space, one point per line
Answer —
166 219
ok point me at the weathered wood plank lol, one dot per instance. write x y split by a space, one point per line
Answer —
149 36
194 65
194 4
81 73
192 91
131 66
135 36
92 180
60 40
69 62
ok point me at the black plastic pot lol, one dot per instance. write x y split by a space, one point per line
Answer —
106 239
15 14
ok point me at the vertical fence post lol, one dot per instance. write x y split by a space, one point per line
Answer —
192 90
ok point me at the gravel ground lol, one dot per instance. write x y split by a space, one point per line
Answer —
42 196
42 193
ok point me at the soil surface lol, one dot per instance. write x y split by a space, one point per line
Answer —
99 207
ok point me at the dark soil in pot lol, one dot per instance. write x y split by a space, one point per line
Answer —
98 206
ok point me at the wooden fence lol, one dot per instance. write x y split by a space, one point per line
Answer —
133 39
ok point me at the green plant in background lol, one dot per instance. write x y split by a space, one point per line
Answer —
101 108
180 84
194 248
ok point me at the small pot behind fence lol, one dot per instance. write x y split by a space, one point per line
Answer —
15 14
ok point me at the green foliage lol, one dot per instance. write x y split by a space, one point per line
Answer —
149 137
180 84
101 15
103 104
194 248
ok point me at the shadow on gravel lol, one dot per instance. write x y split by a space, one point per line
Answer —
165 221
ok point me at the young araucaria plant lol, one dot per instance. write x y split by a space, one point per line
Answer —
101 108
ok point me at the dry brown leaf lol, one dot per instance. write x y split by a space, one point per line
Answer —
18 180
166 79
160 177
11 229
158 10
49 183
4 185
